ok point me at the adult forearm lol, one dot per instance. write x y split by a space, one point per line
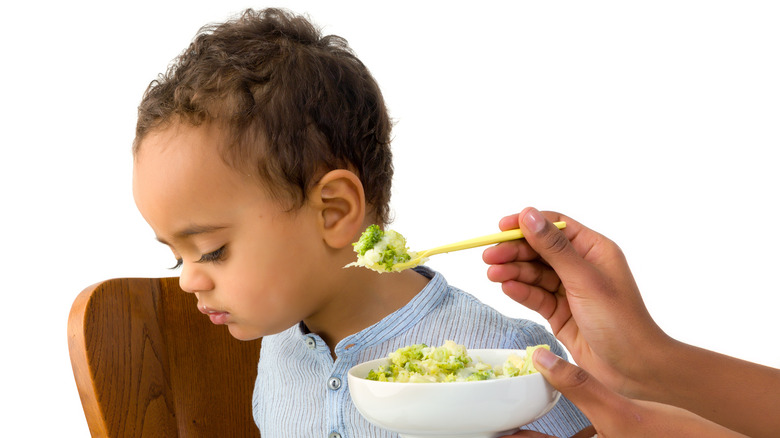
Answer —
737 394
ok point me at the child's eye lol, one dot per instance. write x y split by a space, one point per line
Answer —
178 264
214 256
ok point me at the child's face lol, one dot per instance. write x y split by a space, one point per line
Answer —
252 264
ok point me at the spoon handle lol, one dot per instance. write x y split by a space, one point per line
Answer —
480 241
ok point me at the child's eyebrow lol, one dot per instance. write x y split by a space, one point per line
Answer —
193 230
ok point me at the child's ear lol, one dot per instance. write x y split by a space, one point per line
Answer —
341 203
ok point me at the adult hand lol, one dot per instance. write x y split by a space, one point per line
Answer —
580 282
614 415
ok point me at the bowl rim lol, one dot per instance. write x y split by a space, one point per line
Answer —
351 373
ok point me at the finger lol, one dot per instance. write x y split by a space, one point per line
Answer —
530 284
555 247
509 222
588 432
533 274
582 238
594 399
506 252
511 251
529 434
524 249
541 234
539 300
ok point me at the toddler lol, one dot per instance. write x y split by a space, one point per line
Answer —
260 156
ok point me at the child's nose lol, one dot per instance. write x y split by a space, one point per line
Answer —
194 279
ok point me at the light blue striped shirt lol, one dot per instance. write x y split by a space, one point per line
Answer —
301 392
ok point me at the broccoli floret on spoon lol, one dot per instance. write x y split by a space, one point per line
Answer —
381 250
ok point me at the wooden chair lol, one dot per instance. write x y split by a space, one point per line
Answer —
148 364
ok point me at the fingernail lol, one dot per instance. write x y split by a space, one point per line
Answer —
545 358
534 220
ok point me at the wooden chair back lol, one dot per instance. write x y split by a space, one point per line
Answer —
147 363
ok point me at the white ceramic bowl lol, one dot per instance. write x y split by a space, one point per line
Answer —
483 409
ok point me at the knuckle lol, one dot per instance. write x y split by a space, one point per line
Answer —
576 377
580 377
538 279
555 242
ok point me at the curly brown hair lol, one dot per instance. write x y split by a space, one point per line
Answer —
294 104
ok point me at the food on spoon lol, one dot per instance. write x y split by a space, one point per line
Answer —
381 250
450 362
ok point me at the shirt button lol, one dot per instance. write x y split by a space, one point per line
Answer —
334 383
311 343
334 435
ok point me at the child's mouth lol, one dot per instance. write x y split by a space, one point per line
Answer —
216 316
219 317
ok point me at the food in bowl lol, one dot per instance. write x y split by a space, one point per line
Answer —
482 409
419 363
381 250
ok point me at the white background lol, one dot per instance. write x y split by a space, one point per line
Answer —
655 123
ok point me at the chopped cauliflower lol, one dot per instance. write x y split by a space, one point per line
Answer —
420 363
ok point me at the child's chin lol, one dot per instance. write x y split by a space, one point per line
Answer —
242 335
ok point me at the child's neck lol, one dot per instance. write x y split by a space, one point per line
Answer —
366 298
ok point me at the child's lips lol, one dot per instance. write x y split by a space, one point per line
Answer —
216 316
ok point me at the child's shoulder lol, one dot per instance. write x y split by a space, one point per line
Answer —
478 320
457 298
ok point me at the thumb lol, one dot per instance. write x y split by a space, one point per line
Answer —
594 399
555 248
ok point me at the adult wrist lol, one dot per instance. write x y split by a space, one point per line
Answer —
654 367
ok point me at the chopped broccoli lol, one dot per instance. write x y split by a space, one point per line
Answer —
390 257
413 366
381 250
380 374
481 375
368 239
450 357
405 354
419 363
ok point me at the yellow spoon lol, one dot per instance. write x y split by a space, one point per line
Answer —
490 239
